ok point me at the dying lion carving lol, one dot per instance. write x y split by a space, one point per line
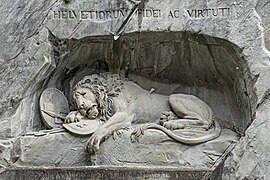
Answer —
118 103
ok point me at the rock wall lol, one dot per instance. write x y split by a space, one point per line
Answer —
30 57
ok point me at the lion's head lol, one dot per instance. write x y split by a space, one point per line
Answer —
104 87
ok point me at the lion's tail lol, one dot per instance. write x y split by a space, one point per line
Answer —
188 141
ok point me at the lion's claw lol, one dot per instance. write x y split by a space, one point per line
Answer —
137 133
173 125
72 117
92 144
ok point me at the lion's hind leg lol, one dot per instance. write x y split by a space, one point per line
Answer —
192 112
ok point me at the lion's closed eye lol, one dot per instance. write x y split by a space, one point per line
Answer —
82 93
94 106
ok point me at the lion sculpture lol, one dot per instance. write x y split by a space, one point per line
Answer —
120 103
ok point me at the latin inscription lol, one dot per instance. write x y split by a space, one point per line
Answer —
209 12
102 174
104 15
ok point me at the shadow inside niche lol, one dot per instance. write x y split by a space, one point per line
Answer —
170 62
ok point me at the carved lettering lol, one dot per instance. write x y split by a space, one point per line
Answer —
215 14
224 9
115 14
91 14
102 174
109 15
104 15
56 14
121 174
156 13
72 15
65 14
200 13
209 12
101 15
190 12
122 13
171 14
84 15
148 13
174 14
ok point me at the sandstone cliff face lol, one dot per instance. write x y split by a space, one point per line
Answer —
215 49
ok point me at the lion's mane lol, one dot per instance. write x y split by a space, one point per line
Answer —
105 87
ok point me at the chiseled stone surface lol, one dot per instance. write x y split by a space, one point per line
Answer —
59 149
262 9
26 61
250 158
154 149
104 173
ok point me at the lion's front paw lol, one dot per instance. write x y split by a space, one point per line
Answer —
173 125
167 116
72 117
92 144
137 133
117 133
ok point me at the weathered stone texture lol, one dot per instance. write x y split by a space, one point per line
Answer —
104 173
262 9
154 149
23 61
27 61
250 158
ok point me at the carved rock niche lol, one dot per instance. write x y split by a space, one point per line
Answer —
168 62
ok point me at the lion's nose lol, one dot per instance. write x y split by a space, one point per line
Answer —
82 104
